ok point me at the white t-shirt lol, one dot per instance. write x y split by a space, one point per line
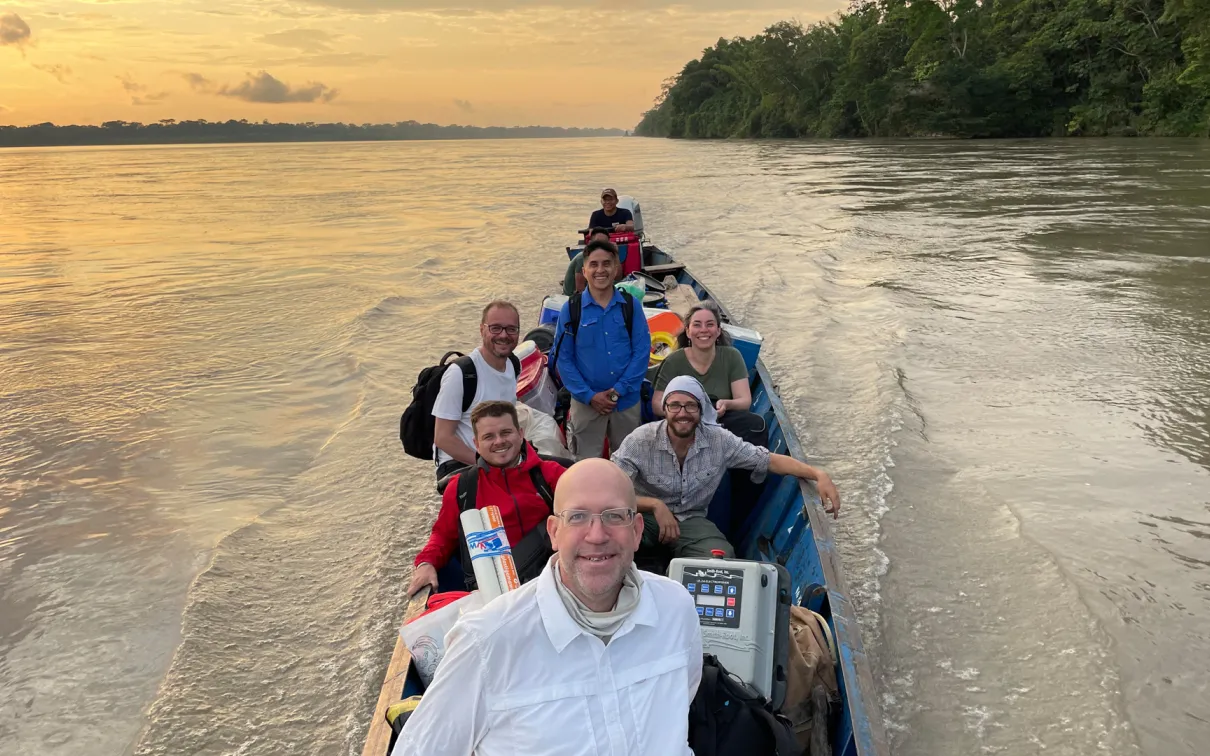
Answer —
492 385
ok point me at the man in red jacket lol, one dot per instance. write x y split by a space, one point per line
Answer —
509 474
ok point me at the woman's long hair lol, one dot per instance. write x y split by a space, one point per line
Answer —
723 339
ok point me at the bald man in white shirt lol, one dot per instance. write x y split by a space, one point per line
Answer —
593 658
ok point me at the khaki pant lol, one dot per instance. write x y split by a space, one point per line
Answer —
586 430
698 538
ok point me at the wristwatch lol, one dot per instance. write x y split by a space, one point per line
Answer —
613 396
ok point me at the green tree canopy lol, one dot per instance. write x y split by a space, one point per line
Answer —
971 68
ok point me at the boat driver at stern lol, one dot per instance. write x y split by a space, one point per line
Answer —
593 658
610 216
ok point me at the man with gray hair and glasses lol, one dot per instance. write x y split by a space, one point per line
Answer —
678 463
593 657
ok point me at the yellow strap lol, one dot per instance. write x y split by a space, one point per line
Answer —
402 707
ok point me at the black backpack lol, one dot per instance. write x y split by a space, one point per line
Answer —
575 309
533 552
417 424
728 717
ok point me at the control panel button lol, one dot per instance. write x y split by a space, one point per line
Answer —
718 589
731 601
701 610
731 590
691 587
730 614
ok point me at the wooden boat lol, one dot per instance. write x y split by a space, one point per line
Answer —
790 528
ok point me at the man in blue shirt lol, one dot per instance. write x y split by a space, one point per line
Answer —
601 363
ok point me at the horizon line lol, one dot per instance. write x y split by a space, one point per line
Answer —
267 122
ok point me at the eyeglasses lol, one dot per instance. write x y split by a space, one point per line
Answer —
496 330
675 408
610 518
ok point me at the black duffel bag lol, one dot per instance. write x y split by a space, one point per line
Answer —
728 717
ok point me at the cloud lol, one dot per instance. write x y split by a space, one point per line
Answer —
57 70
306 40
13 31
197 82
327 60
263 87
139 94
464 105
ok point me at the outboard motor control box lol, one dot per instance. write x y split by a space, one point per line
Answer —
744 611
632 204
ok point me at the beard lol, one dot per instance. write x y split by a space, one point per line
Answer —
502 347
679 432
590 582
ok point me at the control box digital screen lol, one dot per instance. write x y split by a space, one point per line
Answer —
718 593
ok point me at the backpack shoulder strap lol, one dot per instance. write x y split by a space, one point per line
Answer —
516 365
542 487
540 483
468 492
468 489
574 309
628 311
470 380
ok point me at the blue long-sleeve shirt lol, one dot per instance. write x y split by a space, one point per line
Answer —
602 355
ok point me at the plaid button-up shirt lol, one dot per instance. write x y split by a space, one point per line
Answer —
648 458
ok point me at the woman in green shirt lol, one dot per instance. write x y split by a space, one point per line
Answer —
707 355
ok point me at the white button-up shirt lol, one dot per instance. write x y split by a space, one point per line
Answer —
521 678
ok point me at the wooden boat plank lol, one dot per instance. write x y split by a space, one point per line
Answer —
663 269
379 737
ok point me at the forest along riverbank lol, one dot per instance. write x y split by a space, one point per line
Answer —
966 69
998 349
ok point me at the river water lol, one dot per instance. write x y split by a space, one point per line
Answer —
1001 350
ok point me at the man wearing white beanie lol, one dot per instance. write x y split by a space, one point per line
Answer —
677 463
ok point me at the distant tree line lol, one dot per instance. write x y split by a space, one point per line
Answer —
969 68
169 131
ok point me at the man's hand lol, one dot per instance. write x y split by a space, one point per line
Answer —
720 407
670 527
602 403
827 493
423 574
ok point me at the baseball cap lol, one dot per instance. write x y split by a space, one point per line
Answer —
609 192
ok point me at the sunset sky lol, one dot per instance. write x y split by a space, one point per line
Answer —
479 62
